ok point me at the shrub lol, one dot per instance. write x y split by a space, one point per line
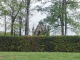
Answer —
40 43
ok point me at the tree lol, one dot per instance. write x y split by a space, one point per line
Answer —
20 23
5 24
27 18
27 10
57 14
4 12
14 8
27 15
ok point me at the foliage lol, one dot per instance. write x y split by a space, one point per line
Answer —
13 9
16 10
58 16
7 33
40 43
47 29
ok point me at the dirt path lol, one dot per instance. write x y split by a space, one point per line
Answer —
1 57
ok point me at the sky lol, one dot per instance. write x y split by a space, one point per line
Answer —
37 16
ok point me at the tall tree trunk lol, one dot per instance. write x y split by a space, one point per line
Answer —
62 25
12 29
12 23
65 24
20 23
61 17
5 24
27 18
65 4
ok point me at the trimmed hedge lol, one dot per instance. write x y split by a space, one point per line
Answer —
40 43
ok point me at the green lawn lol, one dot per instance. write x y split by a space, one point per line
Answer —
39 56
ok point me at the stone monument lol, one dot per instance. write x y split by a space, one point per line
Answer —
40 29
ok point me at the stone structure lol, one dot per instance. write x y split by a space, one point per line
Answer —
40 28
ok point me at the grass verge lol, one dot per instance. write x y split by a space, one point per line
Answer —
39 56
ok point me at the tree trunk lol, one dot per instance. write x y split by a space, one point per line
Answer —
27 19
12 23
61 17
5 24
65 24
12 29
62 25
20 23
65 17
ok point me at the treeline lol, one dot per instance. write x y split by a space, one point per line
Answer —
59 19
16 15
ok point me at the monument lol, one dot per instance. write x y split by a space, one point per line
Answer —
40 29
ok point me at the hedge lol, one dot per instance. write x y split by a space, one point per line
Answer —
40 43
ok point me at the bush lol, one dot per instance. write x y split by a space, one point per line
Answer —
40 43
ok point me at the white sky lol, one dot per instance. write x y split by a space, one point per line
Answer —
35 19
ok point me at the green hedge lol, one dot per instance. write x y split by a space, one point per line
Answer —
40 43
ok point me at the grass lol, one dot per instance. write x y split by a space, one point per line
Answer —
39 56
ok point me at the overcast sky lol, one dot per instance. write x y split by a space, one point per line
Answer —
35 19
